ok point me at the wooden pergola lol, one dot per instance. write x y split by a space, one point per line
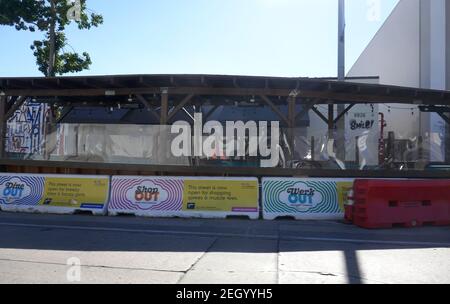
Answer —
170 93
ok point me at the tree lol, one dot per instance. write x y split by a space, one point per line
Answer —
51 17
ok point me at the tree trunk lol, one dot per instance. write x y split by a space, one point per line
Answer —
52 41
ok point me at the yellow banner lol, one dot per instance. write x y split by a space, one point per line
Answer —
220 195
74 192
343 189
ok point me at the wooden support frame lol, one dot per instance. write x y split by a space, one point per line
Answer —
237 171
147 105
444 117
15 106
306 109
326 96
330 121
292 102
321 116
336 120
275 109
66 111
440 110
164 106
3 121
179 106
210 112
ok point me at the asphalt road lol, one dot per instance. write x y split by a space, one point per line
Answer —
69 249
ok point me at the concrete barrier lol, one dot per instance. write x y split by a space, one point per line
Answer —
191 197
304 198
59 194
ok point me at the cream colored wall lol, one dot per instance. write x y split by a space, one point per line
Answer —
394 56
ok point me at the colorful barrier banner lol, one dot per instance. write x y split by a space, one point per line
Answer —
146 195
62 194
184 196
307 199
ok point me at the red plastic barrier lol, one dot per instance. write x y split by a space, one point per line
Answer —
406 203
348 213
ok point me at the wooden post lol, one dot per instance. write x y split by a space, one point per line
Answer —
164 105
357 150
330 128
50 135
179 106
391 147
3 122
313 148
291 117
330 121
420 148
163 139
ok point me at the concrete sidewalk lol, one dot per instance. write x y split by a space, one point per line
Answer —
37 248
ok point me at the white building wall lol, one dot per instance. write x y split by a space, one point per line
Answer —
411 49
394 56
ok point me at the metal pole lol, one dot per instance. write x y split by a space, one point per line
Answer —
340 124
341 41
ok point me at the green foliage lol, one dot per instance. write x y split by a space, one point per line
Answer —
51 17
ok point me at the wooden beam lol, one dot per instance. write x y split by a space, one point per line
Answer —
343 113
179 106
239 171
210 112
3 122
164 105
275 109
65 112
336 98
148 106
307 106
330 120
444 117
292 100
318 113
17 104
434 109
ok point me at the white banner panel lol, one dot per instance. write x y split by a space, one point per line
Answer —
60 194
305 198
201 197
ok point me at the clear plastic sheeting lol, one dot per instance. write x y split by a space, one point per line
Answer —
135 144
370 142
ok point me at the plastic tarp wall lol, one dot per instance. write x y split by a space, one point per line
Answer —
116 144
197 197
60 194
305 198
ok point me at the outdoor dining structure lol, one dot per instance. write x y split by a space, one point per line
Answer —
161 125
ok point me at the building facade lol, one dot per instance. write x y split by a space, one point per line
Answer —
412 49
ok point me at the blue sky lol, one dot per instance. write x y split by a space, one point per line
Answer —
242 37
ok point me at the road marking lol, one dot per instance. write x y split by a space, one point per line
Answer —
231 235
